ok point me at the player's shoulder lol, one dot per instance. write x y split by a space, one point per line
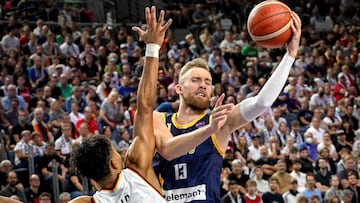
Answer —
8 200
82 199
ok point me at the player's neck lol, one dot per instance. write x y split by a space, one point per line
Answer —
109 182
187 114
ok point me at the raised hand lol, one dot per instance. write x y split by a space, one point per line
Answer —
294 43
155 30
219 114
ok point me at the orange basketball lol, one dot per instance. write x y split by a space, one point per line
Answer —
269 24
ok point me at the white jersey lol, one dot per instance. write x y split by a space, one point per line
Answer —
130 187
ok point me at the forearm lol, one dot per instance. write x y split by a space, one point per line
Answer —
179 145
148 83
251 107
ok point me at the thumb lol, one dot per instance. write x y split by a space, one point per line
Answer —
138 30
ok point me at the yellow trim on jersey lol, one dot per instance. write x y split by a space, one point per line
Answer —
161 181
216 145
115 186
187 125
215 142
164 117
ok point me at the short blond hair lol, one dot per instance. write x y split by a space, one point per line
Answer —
196 63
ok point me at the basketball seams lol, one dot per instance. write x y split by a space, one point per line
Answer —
272 35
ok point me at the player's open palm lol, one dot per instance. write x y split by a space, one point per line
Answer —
219 114
155 29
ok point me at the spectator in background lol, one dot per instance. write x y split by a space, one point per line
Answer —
22 150
238 175
6 101
90 119
34 190
323 176
45 167
334 190
251 196
347 171
63 143
282 176
5 168
45 197
353 187
310 188
233 195
68 48
299 176
64 197
273 195
38 74
292 194
12 188
262 185
11 41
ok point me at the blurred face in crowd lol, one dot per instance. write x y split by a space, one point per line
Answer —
39 115
12 179
322 164
352 179
5 168
310 182
45 199
259 173
66 130
50 150
304 153
236 168
234 189
281 167
37 140
274 186
251 189
26 136
12 91
63 79
269 124
35 181
88 113
84 130
334 181
349 164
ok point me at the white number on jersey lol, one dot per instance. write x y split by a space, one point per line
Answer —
180 171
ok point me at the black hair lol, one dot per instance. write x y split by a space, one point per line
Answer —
92 158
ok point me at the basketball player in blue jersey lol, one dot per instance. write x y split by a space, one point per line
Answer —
98 160
191 156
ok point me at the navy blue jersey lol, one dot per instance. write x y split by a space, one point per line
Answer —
195 176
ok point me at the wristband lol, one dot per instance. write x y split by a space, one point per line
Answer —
152 50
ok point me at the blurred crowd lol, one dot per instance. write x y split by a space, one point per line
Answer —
61 82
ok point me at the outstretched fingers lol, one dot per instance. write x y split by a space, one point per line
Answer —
222 110
220 100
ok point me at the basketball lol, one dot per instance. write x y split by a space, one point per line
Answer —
269 24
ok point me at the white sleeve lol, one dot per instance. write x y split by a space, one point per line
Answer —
251 107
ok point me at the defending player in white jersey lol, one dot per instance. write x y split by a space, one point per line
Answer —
98 160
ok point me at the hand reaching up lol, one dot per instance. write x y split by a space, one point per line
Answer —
155 30
219 114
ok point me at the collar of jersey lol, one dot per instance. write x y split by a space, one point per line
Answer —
187 125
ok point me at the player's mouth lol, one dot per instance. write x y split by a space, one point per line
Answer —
201 94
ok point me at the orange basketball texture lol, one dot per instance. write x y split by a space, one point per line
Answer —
269 24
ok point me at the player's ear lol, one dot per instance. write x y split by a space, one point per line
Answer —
114 164
178 89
